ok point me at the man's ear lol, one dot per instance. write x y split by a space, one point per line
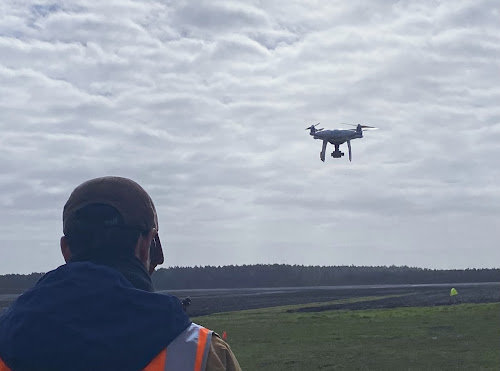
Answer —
142 249
65 249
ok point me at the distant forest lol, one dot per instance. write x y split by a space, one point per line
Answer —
281 275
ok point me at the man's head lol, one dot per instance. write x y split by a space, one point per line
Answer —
111 216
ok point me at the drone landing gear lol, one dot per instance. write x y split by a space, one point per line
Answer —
322 153
337 153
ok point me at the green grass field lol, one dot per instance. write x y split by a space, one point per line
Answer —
465 336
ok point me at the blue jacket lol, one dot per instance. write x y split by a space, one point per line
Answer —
84 316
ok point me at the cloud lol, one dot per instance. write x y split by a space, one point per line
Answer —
220 16
205 105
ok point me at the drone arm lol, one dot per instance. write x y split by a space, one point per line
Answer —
350 152
323 150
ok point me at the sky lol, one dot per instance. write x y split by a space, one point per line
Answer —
205 104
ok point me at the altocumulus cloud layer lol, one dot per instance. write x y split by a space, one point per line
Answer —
205 104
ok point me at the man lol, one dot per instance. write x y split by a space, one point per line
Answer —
98 311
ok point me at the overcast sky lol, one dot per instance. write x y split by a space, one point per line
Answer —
204 103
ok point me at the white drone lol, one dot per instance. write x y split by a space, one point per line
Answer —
337 137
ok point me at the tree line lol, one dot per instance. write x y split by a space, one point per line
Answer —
283 275
15 283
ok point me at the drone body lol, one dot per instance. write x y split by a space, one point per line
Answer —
337 137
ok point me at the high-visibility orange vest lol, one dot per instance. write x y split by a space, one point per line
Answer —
3 366
188 351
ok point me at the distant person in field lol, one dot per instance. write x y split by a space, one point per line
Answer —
186 303
99 311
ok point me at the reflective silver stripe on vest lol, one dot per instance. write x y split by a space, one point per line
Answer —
181 353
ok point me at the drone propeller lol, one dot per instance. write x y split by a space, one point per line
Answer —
314 127
364 127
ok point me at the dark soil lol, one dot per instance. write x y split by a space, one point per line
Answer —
419 298
204 302
224 301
